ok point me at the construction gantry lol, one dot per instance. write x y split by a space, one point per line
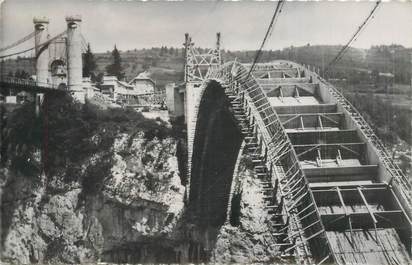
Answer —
199 64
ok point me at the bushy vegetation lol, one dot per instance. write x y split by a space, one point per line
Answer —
21 74
68 135
389 122
127 121
21 135
93 179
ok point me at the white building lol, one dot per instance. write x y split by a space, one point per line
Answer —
118 91
143 84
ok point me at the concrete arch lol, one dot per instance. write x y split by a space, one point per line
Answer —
313 235
217 141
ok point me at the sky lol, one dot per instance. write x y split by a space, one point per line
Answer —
136 24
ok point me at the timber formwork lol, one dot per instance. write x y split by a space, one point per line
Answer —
198 65
341 198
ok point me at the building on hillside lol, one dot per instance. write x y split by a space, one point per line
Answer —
143 84
385 81
388 76
108 86
118 91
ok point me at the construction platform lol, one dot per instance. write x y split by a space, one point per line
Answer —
364 218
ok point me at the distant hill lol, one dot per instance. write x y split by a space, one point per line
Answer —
392 58
165 64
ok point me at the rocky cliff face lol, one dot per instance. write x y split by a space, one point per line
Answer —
247 239
105 185
142 202
129 216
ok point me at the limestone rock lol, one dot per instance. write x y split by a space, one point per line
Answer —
140 202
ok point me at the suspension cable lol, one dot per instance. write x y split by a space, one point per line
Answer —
85 44
18 42
16 53
278 10
353 38
32 48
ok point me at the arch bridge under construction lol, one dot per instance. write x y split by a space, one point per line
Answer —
333 191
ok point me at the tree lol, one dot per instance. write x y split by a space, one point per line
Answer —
99 78
154 62
21 74
115 68
405 163
146 66
375 76
17 73
89 63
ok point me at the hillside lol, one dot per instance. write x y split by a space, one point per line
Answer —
165 65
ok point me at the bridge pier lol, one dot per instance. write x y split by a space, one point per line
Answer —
193 93
74 58
42 56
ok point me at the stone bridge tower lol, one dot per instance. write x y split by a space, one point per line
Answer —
59 59
41 28
74 56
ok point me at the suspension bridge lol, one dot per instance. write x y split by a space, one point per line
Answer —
57 60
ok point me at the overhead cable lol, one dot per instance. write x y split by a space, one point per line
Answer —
275 16
353 38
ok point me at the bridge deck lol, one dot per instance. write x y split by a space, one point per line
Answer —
360 247
312 121
345 183
293 101
8 83
301 108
